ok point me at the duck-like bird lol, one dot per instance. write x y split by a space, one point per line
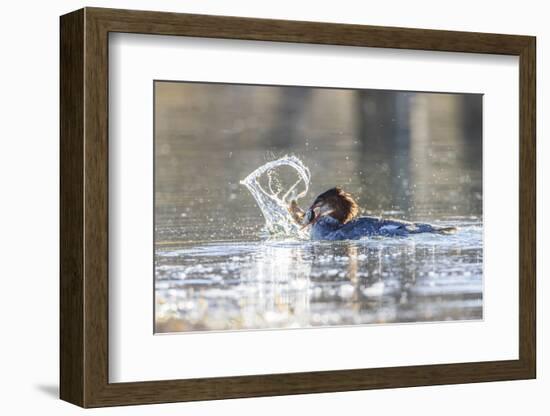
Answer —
334 216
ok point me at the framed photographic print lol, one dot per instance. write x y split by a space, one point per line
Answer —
256 207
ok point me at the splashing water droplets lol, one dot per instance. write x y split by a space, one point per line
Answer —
272 199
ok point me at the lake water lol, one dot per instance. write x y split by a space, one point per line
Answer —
402 155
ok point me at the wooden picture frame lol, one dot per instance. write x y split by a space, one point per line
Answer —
84 207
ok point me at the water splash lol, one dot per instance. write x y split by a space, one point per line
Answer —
274 201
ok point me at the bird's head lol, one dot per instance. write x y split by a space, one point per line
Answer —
335 203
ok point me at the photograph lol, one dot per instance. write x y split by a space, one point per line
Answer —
292 207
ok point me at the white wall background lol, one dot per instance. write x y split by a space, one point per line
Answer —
29 85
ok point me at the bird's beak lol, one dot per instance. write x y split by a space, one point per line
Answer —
311 216
315 212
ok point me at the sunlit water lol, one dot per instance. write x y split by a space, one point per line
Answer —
289 284
285 281
273 199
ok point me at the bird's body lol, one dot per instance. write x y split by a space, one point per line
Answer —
334 216
328 228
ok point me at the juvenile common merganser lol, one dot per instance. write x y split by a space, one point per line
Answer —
333 216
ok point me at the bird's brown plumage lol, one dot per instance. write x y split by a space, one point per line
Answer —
342 203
